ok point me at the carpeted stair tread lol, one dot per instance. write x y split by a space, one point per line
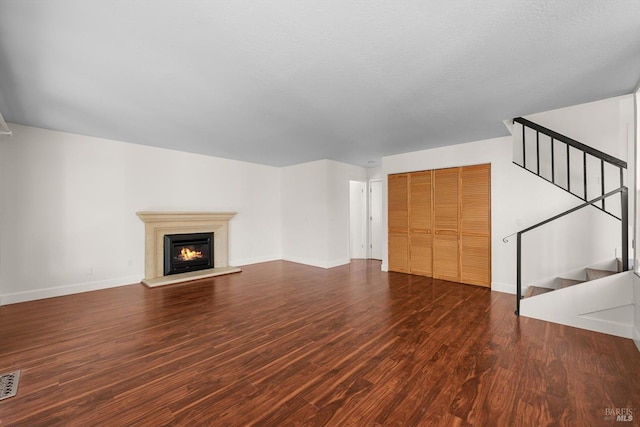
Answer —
593 274
565 283
532 291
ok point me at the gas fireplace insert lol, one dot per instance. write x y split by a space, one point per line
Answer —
187 252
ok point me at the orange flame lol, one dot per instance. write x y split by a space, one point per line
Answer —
187 254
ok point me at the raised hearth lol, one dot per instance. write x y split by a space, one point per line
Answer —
161 224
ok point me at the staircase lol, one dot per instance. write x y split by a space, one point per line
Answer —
588 274
597 179
602 304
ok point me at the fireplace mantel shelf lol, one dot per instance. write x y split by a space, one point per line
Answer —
160 223
181 217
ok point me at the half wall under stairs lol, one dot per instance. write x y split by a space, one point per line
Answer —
603 304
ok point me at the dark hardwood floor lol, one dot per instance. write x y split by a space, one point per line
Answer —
287 344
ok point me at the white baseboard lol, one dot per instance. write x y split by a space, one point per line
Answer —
506 288
338 262
306 261
636 337
256 260
384 267
316 262
68 289
36 294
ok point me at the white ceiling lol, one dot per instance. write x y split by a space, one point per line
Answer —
290 81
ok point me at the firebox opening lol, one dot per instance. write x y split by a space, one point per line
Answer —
187 252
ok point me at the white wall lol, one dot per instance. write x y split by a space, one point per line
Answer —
636 310
358 219
339 175
69 221
376 230
375 174
636 279
519 199
604 125
72 199
315 212
3 182
607 125
304 213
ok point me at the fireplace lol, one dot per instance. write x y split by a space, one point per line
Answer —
187 252
158 226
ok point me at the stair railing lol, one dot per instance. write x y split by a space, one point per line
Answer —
624 197
567 146
585 151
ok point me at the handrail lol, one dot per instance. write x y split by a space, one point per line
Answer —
572 142
505 239
625 235
567 212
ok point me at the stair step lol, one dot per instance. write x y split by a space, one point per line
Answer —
593 274
532 291
619 264
565 283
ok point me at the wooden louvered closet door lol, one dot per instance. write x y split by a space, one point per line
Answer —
440 224
420 236
445 224
475 225
398 221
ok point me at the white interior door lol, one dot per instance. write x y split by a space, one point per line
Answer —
375 219
357 219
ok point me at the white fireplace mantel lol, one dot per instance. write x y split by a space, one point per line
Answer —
158 224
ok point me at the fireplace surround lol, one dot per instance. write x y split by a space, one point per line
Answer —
159 224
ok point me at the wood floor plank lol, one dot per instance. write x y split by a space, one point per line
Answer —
287 344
